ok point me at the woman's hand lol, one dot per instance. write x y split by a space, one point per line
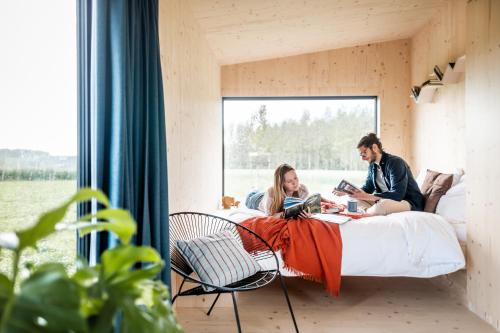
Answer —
305 214
329 204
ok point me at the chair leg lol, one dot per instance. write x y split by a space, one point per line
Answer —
215 301
180 288
285 291
236 312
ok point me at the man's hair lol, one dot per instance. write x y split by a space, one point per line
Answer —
369 140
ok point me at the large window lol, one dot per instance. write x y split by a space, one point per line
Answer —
317 136
37 120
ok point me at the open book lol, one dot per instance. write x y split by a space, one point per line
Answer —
293 206
346 187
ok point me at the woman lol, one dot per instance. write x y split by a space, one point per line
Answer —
286 184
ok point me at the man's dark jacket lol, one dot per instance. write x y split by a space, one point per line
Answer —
399 181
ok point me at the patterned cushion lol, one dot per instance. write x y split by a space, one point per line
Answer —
218 259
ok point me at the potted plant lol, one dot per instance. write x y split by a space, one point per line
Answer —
113 295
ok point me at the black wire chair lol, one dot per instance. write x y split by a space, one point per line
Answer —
190 225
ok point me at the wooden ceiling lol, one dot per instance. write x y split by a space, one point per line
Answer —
248 30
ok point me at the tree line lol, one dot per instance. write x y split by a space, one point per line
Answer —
36 174
326 143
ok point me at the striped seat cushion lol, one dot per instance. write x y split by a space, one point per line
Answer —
218 259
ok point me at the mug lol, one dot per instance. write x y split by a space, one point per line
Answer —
352 205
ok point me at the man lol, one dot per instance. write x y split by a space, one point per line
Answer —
390 186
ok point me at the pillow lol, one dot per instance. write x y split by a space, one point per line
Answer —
218 259
458 174
451 206
420 178
435 185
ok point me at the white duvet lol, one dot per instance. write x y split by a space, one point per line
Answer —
414 244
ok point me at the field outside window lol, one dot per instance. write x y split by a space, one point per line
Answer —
316 136
37 121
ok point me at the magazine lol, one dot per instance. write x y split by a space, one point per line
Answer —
294 206
346 187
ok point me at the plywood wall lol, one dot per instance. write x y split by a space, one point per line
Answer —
438 128
191 85
191 80
380 69
243 30
482 97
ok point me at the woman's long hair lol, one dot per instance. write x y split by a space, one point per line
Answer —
278 190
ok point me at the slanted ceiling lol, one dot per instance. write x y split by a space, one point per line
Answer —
249 30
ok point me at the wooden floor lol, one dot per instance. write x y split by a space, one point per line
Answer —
365 305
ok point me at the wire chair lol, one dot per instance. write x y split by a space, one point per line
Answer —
190 225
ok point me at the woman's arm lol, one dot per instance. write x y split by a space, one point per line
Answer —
329 203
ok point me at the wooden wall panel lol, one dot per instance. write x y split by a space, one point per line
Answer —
380 69
191 79
191 84
482 86
438 128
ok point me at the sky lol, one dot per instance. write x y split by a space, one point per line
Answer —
38 75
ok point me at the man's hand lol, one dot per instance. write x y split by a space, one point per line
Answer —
362 195
338 193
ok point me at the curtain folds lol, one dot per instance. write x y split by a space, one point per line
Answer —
84 16
127 127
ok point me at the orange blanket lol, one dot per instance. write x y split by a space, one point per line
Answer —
310 248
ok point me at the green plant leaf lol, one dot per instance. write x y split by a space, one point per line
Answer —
128 280
5 284
48 301
121 223
92 295
51 302
157 317
47 222
91 306
5 290
86 277
122 257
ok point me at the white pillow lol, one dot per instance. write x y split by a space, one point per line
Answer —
421 177
451 206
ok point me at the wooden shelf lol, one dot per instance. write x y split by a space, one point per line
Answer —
426 93
452 74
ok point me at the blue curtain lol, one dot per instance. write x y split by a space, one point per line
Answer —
127 121
84 16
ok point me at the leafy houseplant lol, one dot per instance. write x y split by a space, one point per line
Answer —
110 296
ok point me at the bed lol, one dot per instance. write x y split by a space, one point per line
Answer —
412 244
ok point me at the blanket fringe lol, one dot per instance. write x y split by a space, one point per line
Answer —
303 275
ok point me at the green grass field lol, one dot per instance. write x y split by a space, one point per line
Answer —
21 203
238 182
